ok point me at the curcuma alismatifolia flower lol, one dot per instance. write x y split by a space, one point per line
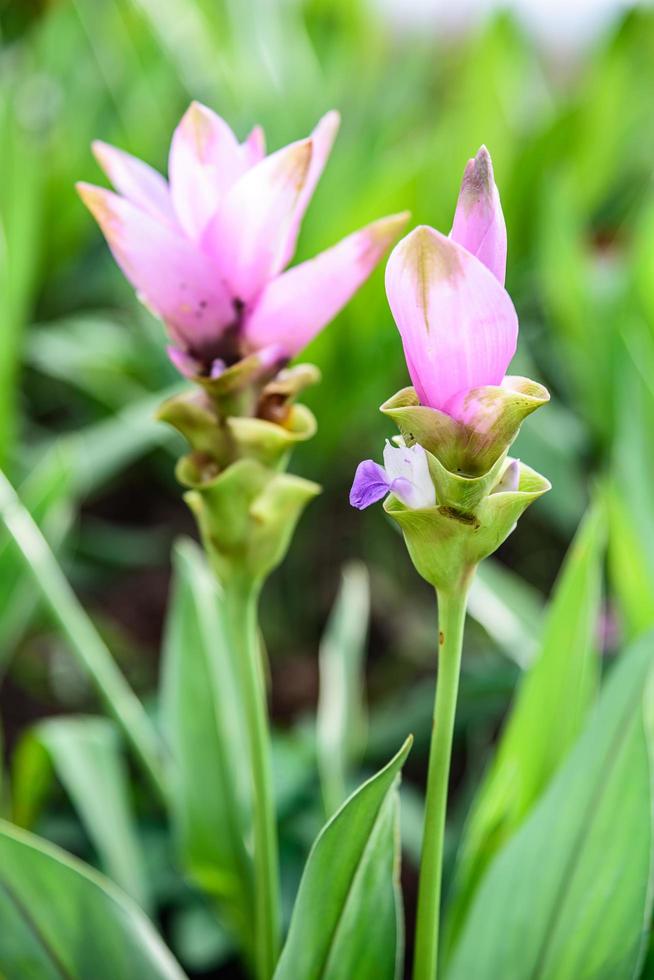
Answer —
459 331
207 250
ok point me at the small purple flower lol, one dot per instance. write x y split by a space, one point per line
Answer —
405 473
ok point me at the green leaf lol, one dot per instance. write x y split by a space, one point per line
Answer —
508 608
205 731
85 754
80 633
46 495
630 566
631 542
100 356
106 447
346 921
21 218
59 919
340 723
569 895
548 713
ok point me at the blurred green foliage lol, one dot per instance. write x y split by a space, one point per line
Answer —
82 365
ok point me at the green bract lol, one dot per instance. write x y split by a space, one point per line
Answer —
267 432
445 544
477 506
246 515
245 505
468 449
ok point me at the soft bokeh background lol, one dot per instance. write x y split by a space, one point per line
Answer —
564 102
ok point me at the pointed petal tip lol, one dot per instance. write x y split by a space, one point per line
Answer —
304 149
194 113
195 106
255 144
331 121
106 207
384 231
105 154
394 221
203 128
478 220
422 234
97 199
478 178
478 182
295 161
100 149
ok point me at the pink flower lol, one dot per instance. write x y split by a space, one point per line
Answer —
207 250
458 325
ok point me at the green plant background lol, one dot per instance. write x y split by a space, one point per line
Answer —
82 368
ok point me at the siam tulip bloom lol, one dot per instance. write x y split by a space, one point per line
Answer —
405 473
459 331
458 325
451 487
207 250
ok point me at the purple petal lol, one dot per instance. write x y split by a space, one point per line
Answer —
370 484
479 222
458 325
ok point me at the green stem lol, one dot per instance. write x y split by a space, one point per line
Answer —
241 604
451 617
86 643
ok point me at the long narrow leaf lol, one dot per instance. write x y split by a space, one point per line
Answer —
510 610
59 919
340 722
46 495
548 713
346 921
80 633
21 179
204 729
570 894
85 754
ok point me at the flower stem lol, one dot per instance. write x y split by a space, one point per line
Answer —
241 604
451 617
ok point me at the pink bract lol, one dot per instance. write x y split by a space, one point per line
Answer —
206 250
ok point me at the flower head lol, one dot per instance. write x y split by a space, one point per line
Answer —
458 325
207 250
452 488
405 473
